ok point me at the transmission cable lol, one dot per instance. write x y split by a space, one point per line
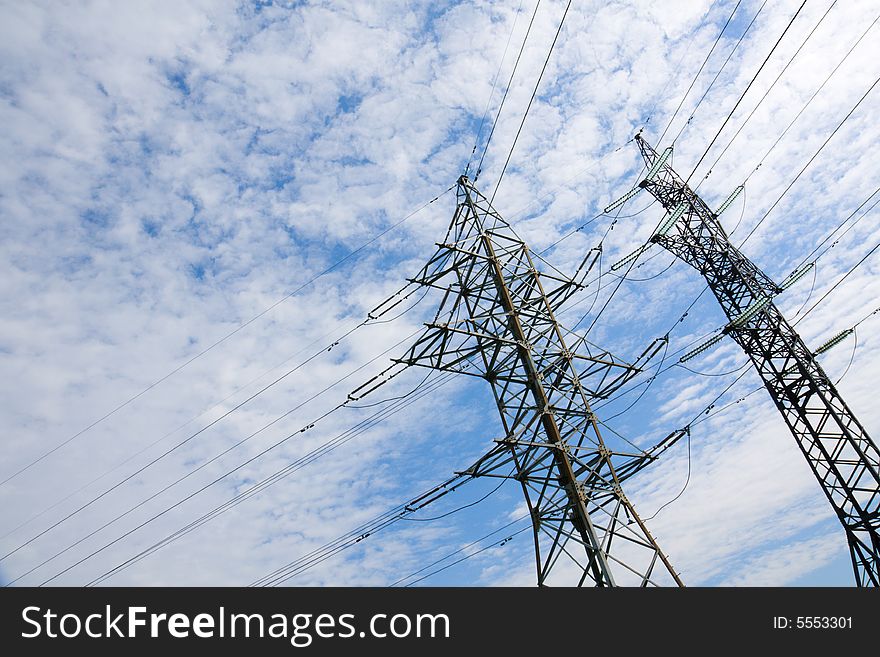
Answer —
492 93
702 66
766 93
529 106
678 67
192 419
464 506
810 161
776 202
459 551
223 339
818 248
470 555
852 357
719 71
812 97
351 538
706 411
353 432
748 86
206 463
211 424
841 280
506 91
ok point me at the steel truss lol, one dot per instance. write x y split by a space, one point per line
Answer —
839 451
496 320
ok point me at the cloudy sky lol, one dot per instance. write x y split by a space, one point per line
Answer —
171 170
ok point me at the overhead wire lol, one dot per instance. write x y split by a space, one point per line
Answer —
767 93
839 281
852 357
192 419
529 106
683 488
809 162
462 507
507 90
692 172
811 98
200 467
222 339
492 93
355 536
748 86
718 72
818 248
164 454
214 422
697 419
328 446
464 548
696 77
678 67
471 555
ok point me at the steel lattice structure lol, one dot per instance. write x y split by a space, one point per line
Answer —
497 321
839 451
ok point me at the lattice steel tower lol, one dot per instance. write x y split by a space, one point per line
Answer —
838 449
497 321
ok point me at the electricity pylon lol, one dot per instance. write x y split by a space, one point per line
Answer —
496 320
838 449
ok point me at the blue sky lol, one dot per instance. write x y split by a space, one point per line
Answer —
170 170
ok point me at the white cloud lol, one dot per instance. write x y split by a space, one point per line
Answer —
173 169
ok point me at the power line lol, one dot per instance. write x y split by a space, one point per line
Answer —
577 175
719 71
683 488
767 93
841 280
471 555
851 357
167 452
353 432
355 536
818 247
784 192
809 162
506 91
685 347
702 66
203 465
678 67
746 90
232 410
464 506
458 551
813 96
131 457
492 93
223 339
696 420
326 348
529 106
